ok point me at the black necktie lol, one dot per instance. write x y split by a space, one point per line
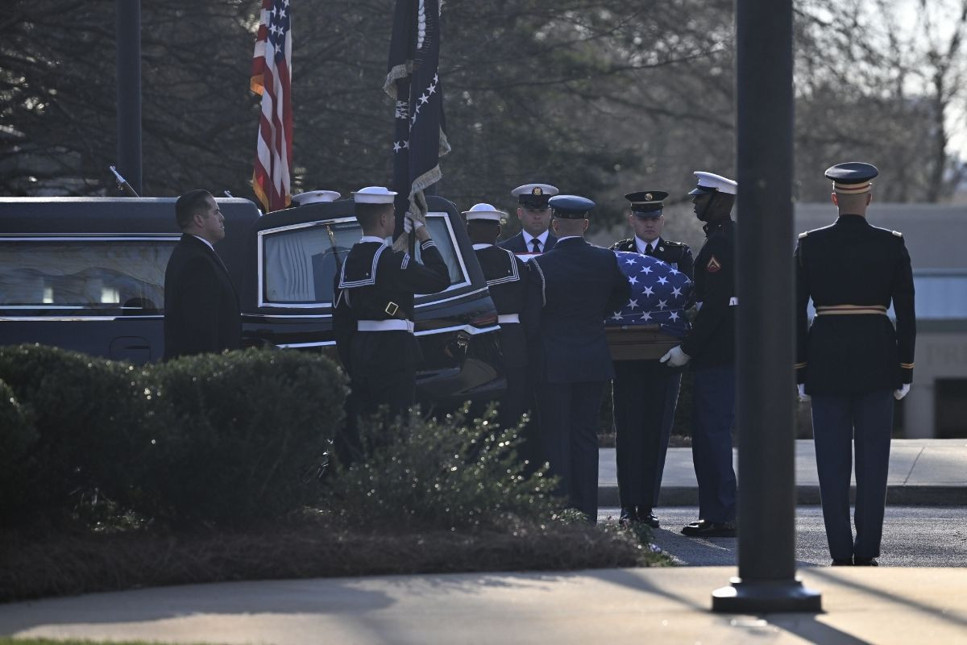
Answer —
649 250
536 243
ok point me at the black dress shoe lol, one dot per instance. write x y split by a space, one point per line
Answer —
865 562
704 528
628 516
646 516
842 562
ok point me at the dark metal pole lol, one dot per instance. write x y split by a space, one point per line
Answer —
765 334
129 90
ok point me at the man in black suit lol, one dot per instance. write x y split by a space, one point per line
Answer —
573 287
373 317
645 392
201 307
852 361
506 275
710 345
535 220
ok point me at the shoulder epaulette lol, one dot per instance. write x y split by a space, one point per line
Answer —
671 243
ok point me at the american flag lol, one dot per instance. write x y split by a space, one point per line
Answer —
271 74
419 137
659 295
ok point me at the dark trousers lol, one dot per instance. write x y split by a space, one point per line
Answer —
639 397
568 419
713 412
667 423
839 422
369 391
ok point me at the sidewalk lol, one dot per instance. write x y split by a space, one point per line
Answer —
923 472
614 606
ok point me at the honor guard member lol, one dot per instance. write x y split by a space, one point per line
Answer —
645 392
572 288
373 318
710 345
505 274
535 220
852 361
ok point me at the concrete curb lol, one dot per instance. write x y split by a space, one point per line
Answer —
808 495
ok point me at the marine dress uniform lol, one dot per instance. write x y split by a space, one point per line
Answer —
531 197
573 287
852 361
373 318
506 275
645 392
710 346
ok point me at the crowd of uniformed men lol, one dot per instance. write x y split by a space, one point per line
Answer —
553 290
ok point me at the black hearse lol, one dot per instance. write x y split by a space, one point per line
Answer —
88 274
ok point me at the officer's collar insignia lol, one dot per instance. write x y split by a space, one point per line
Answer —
713 265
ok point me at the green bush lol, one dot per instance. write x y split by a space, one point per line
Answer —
239 436
17 437
86 413
442 474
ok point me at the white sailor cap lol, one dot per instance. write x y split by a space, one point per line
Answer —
709 182
315 196
534 195
484 211
374 195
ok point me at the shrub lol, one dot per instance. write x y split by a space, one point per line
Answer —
239 436
444 473
86 413
17 436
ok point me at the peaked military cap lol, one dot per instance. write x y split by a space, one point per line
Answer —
374 195
315 196
534 195
709 182
647 203
570 206
484 212
852 177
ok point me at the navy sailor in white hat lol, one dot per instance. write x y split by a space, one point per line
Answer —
373 315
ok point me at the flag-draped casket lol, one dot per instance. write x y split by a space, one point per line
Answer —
653 320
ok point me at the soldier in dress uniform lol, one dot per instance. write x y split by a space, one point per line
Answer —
505 274
535 220
710 345
373 318
645 392
852 361
572 288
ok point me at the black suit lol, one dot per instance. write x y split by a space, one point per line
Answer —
851 359
573 288
201 307
516 243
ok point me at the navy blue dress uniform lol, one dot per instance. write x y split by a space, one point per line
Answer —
531 197
710 346
506 275
573 287
645 392
373 317
852 361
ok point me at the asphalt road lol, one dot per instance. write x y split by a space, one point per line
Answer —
913 536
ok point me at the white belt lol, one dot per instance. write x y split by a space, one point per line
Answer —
385 325
503 319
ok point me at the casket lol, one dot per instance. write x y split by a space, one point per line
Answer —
638 342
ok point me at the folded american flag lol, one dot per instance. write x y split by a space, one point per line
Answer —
659 295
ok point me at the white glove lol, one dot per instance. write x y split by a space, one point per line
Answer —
802 393
675 357
410 223
902 392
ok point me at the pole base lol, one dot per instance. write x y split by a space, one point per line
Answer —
766 597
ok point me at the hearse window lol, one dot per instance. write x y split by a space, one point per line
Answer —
299 262
87 276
